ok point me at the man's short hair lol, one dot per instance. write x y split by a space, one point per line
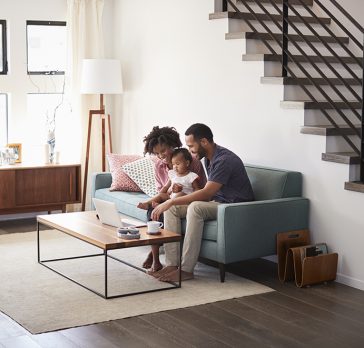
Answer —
200 131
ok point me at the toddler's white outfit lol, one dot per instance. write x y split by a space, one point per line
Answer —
186 181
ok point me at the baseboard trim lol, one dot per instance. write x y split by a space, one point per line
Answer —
353 282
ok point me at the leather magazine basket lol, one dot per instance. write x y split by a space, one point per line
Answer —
294 265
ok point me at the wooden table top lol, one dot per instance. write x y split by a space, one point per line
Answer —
86 226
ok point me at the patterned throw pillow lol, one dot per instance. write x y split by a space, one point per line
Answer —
142 173
120 180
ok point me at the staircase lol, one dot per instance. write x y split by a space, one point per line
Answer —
317 55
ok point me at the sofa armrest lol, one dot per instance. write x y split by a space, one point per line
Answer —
248 230
99 181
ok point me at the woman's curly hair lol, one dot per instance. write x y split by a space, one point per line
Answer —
162 136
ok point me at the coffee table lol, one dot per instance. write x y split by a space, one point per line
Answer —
86 227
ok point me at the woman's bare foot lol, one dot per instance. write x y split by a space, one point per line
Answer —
174 276
148 261
154 204
163 271
143 205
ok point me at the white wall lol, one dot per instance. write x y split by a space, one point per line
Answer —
178 70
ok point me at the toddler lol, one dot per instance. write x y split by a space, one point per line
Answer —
181 182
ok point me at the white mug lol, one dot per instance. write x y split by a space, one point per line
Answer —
154 226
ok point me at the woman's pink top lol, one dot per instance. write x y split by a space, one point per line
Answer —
161 172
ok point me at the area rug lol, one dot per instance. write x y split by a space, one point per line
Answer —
41 300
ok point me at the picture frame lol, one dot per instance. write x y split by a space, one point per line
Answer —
17 150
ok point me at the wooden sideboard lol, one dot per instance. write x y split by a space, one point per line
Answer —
28 188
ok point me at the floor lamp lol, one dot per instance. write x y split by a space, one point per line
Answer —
99 76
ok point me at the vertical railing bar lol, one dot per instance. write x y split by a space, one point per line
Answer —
284 38
224 6
362 128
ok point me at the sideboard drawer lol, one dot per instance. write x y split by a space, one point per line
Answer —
43 186
7 189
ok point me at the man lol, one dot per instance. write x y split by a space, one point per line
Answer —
227 182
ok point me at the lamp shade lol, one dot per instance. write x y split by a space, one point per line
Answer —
101 76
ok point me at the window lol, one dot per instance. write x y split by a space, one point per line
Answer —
44 109
3 51
46 47
3 119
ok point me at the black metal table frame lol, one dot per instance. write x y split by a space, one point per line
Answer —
106 256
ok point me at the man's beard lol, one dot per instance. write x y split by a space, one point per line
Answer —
201 152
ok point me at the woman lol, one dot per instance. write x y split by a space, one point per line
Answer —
161 142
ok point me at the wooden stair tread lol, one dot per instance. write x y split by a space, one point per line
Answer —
278 36
293 2
354 186
263 16
329 130
309 105
341 157
278 80
298 58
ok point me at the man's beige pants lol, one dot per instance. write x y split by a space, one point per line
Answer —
196 213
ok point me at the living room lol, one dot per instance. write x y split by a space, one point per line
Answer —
178 69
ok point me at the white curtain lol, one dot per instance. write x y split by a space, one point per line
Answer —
84 40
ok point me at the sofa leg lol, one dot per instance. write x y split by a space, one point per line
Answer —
222 272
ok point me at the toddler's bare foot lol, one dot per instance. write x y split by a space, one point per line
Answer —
143 205
148 261
154 204
157 266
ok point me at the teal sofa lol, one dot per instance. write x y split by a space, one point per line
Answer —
242 230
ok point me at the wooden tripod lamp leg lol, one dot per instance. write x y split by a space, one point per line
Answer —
109 125
103 150
86 161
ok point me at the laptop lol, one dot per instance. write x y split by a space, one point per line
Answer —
109 215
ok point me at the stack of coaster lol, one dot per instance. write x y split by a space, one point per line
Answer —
128 233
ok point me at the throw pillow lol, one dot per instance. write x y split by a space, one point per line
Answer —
120 180
142 173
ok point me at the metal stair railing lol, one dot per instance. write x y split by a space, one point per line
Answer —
328 64
290 57
329 48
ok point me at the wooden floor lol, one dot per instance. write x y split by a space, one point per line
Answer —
329 315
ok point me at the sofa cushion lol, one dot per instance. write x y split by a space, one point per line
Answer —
126 202
270 183
142 173
120 180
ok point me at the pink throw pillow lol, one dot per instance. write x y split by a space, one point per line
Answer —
120 180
